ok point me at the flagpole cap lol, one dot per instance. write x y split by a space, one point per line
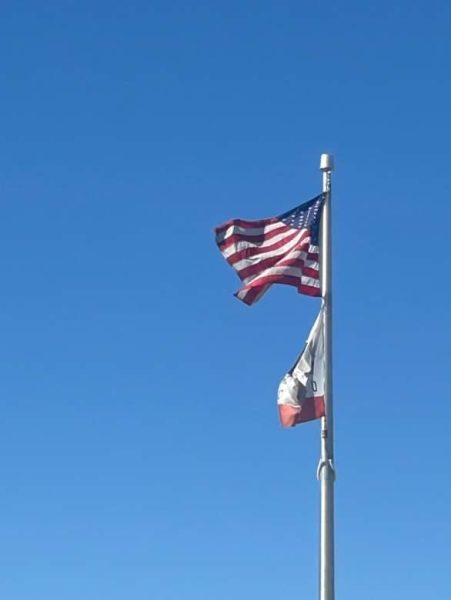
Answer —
326 162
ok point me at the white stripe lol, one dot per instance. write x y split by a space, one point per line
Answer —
310 281
294 254
245 244
243 292
286 249
237 230
312 264
290 271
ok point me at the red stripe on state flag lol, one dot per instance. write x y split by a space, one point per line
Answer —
311 409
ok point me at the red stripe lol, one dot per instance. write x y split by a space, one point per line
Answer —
268 263
287 279
254 249
281 260
296 261
252 295
309 272
309 290
244 224
236 238
312 408
261 265
254 240
252 290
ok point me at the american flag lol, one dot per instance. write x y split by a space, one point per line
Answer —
282 249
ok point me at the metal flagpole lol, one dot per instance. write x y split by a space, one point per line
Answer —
326 471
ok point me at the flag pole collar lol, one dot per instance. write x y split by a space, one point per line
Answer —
325 463
326 163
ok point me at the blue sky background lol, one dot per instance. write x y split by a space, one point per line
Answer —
140 451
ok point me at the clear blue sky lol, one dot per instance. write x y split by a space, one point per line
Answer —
140 451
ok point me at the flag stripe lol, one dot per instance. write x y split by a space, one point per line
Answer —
312 408
245 224
287 271
296 259
252 230
243 248
296 247
253 292
276 250
258 239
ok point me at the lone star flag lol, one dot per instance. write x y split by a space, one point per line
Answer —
301 391
282 249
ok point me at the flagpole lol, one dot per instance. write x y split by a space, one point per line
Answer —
326 471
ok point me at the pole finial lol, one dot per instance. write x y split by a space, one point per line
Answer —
326 163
